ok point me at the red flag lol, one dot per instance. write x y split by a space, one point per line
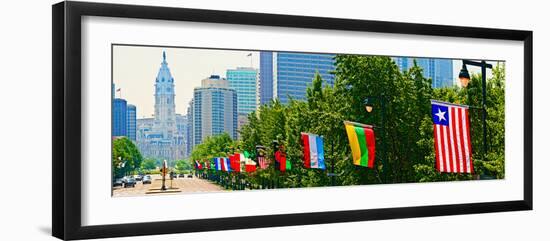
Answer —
235 162
250 167
280 157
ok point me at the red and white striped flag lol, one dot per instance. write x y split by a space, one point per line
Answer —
453 148
264 163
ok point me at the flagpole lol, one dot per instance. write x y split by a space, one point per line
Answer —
385 162
332 177
358 124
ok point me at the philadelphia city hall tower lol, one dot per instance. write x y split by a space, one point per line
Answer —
163 137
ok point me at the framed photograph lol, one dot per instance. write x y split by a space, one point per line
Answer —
170 120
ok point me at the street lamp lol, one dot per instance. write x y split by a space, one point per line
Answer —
464 77
369 103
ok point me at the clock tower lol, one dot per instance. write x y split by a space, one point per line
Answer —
165 107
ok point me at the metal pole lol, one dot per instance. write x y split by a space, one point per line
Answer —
385 157
484 106
332 163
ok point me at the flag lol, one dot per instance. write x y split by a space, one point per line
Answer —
217 164
314 156
453 149
362 143
225 164
250 166
235 161
284 164
198 165
262 160
222 164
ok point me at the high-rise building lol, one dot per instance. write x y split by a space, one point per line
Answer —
439 70
181 129
244 81
131 122
291 73
119 117
189 136
265 84
214 109
162 137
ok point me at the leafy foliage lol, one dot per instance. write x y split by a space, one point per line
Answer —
183 166
126 158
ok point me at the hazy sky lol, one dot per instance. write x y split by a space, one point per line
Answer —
135 70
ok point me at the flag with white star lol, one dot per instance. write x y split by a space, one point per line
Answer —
453 149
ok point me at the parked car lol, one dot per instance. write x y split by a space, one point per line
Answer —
117 182
190 176
129 181
181 175
138 177
146 179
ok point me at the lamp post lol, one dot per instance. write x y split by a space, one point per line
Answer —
332 174
164 169
464 77
369 107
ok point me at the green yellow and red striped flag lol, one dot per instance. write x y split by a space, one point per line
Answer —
362 143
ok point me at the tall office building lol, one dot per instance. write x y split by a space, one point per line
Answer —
131 122
439 70
189 136
119 117
287 74
214 109
181 129
244 81
265 84
162 137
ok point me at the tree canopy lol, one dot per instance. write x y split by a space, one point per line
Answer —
126 158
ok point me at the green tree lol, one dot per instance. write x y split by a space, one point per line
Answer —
126 158
183 166
149 164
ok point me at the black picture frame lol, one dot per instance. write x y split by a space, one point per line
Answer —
67 135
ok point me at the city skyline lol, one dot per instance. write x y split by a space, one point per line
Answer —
188 65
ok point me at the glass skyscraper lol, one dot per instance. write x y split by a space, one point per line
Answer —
214 109
131 122
439 70
244 81
265 85
119 117
287 74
